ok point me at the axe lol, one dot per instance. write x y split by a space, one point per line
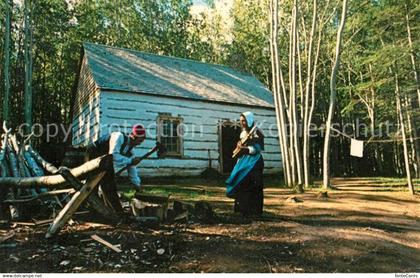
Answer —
161 150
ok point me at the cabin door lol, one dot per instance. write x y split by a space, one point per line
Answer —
228 137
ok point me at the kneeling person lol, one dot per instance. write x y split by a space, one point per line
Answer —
120 146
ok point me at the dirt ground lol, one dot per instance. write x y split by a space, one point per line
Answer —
366 225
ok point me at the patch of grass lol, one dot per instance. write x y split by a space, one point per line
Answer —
129 194
394 181
190 193
173 191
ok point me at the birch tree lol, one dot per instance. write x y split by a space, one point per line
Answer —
333 97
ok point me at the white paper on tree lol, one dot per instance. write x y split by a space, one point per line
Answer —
356 148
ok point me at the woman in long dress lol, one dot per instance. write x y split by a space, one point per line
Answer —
245 183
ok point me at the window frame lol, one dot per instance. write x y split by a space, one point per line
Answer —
180 142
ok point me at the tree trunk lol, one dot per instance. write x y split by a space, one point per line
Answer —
6 97
293 96
412 134
280 93
404 137
28 67
275 93
412 53
333 96
306 122
417 82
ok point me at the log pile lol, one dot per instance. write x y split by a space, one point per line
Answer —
31 187
34 191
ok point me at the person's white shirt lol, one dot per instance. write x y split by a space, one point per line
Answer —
120 161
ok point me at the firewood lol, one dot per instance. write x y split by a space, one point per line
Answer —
13 164
45 164
23 223
32 164
106 243
4 142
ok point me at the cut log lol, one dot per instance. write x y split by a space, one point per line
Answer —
32 165
4 142
13 164
88 169
160 211
71 207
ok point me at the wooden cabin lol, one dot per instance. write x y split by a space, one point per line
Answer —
192 107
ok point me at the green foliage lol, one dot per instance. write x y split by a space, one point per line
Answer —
249 50
375 43
59 28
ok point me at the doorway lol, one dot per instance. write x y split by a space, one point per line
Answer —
229 133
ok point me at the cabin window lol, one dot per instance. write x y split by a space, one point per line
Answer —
170 134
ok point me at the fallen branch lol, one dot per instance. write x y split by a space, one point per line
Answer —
106 243
43 222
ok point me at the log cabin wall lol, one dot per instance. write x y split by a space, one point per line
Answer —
123 109
85 126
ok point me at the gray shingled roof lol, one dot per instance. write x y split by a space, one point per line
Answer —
134 71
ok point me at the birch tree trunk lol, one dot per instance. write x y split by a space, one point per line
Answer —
306 122
404 137
333 96
293 96
279 91
276 88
